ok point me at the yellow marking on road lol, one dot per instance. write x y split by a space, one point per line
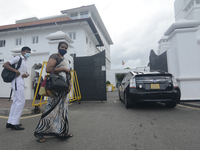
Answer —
189 107
31 116
5 117
23 117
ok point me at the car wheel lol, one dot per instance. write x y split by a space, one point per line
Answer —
127 105
170 104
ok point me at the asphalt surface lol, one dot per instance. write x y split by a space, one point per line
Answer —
110 126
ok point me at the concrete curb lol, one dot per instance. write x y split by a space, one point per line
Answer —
4 111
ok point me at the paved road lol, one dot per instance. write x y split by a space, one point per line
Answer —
110 126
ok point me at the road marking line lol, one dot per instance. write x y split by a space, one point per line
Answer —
31 116
23 117
5 117
189 107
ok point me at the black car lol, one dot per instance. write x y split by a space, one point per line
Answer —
153 86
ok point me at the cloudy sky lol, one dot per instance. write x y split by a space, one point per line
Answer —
135 26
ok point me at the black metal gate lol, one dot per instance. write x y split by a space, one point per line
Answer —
158 62
91 75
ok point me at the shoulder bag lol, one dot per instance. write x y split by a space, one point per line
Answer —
56 83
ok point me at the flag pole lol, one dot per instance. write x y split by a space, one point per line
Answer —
122 64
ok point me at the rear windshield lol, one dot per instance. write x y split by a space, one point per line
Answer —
150 76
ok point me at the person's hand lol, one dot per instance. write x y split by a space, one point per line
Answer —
17 73
68 90
25 75
67 70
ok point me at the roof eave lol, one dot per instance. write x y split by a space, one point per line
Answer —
89 20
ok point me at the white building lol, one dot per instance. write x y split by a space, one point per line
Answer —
182 43
82 28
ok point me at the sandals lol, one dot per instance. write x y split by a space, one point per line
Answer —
40 138
69 135
66 136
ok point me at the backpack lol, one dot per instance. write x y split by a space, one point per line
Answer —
7 75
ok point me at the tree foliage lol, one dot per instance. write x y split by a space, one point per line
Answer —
107 82
120 77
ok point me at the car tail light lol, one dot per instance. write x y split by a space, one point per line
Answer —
175 84
132 83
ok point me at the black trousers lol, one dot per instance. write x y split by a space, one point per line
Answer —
37 96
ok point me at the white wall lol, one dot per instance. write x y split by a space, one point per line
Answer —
5 87
184 51
178 6
163 47
183 61
184 11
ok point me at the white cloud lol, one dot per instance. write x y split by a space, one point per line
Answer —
133 42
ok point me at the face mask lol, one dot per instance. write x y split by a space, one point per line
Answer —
62 52
27 55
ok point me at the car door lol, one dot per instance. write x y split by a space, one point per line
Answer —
127 79
122 88
125 83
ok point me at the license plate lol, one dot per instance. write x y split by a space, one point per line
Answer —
155 86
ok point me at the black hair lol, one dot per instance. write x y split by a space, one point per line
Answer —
25 48
60 43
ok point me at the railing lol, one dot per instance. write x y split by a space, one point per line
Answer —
74 94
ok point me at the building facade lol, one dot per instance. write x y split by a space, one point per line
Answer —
181 43
82 28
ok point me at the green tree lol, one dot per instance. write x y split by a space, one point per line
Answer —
107 82
120 77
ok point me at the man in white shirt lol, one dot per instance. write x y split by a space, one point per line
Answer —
18 88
